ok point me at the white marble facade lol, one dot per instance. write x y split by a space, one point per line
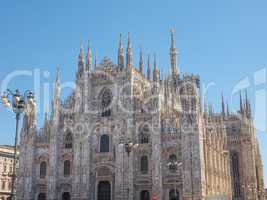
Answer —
176 149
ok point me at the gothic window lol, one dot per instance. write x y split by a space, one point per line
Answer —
42 196
144 135
174 195
104 191
236 175
106 100
104 143
68 141
66 196
144 165
144 195
43 169
67 168
172 161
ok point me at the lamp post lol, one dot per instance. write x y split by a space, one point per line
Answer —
173 164
129 146
17 103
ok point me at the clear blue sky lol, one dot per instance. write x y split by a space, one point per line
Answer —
222 41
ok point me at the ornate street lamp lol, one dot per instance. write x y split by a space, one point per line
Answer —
17 103
128 147
173 164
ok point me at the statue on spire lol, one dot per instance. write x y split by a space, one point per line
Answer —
56 97
148 69
141 62
241 104
89 58
155 71
173 55
81 65
129 53
120 54
223 107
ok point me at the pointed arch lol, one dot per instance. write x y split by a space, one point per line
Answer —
66 196
43 169
68 140
104 143
236 174
106 98
144 133
174 195
144 165
104 190
67 168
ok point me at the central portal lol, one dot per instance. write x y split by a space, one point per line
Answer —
104 191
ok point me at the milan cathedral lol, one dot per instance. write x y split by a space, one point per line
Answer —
123 134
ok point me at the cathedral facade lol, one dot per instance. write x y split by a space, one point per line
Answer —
123 135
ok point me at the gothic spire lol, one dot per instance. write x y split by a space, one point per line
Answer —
81 55
241 104
129 53
81 65
46 117
227 108
247 105
95 60
148 68
120 54
223 107
155 71
56 97
173 55
89 58
57 82
141 62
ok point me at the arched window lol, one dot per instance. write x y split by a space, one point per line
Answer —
144 195
144 134
104 191
174 195
66 168
66 196
43 169
68 141
104 143
144 165
106 100
42 196
236 175
172 161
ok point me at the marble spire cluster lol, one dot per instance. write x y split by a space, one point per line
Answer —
244 107
86 63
